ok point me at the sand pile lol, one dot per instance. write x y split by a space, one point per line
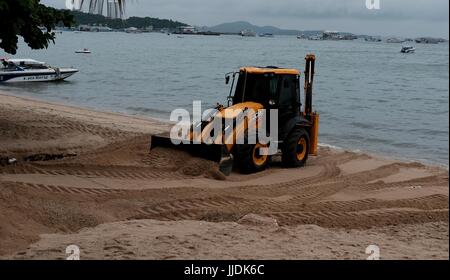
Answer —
182 162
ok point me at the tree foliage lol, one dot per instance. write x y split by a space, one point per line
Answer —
26 18
139 22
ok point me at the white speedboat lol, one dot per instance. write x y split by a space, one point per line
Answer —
408 49
30 70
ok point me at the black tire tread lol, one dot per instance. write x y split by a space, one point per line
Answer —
288 157
244 159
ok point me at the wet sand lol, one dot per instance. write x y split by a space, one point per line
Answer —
93 183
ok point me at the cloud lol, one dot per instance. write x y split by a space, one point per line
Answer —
356 9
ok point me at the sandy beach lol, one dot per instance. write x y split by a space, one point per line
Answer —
87 178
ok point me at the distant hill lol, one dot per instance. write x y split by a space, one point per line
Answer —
238 26
138 22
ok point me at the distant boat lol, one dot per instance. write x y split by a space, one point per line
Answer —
408 49
85 51
30 70
248 33
428 40
133 30
315 38
267 35
395 40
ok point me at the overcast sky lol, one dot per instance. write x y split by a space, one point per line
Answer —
395 17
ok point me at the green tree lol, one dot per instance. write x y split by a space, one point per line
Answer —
26 18
34 22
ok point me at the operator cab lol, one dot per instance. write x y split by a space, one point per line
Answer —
272 87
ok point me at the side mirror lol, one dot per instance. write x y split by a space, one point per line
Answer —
227 80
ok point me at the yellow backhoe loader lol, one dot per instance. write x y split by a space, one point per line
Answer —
258 91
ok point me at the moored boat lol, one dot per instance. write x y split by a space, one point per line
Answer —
408 49
30 70
85 51
267 35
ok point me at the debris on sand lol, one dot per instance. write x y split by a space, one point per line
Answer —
7 161
49 157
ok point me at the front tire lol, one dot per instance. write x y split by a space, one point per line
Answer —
296 148
250 160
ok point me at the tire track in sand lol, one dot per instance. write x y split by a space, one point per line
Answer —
68 190
379 217
116 172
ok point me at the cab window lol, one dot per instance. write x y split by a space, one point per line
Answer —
289 93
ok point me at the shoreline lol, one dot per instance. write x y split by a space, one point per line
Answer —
166 125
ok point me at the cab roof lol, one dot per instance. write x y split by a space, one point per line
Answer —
274 70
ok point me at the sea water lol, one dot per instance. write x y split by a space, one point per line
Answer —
370 96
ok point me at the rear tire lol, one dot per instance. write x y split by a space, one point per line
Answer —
249 160
296 148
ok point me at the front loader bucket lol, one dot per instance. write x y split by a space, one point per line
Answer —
214 152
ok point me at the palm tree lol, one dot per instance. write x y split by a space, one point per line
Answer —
114 8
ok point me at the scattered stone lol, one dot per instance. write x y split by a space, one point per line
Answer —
7 161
